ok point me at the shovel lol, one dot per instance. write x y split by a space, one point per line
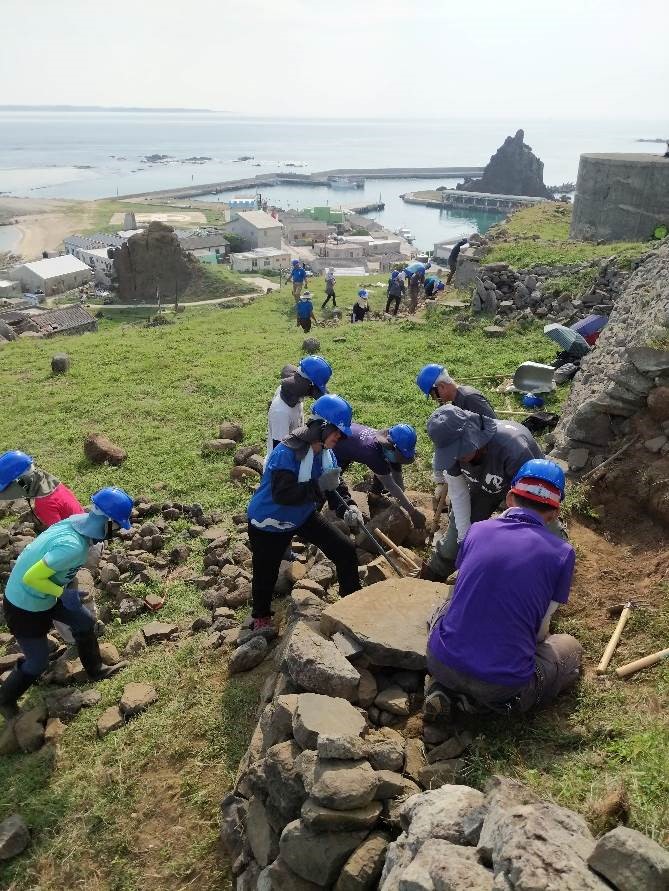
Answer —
377 545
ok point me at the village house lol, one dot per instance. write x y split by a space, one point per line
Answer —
52 276
99 262
257 229
9 289
337 251
67 320
303 230
260 259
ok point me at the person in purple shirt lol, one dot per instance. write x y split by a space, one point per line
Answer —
383 452
490 642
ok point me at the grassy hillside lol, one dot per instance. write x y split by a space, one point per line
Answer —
138 810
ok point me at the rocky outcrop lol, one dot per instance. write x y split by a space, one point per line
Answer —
152 263
514 169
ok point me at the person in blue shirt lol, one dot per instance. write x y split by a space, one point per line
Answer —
305 312
300 475
298 276
432 286
39 591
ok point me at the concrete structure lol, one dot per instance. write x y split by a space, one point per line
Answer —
341 251
99 262
52 276
303 230
260 259
242 202
257 229
9 289
620 197
481 200
207 237
375 247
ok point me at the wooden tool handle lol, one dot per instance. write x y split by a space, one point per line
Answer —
439 509
391 544
638 664
613 642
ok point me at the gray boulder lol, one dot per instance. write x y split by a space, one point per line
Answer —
279 877
248 656
317 665
264 841
363 868
316 714
343 785
14 837
324 819
631 861
317 856
440 864
60 363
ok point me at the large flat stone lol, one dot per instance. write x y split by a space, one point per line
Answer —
317 856
344 785
389 619
327 715
631 861
325 819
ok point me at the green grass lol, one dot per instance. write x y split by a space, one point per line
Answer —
539 235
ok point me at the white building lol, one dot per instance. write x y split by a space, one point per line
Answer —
98 261
52 276
9 289
257 229
242 202
260 259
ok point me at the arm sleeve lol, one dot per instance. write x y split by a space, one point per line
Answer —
287 490
461 504
542 634
39 578
396 491
563 584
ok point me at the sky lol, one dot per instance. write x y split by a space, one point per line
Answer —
346 58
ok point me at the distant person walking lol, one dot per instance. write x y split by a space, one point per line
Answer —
305 312
360 307
330 282
453 258
298 276
396 291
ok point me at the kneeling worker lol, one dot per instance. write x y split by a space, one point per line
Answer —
477 457
37 593
435 381
300 475
50 500
384 452
491 641
433 286
285 409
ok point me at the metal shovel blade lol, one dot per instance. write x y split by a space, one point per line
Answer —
533 377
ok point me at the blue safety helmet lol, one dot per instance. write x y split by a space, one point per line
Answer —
12 465
394 273
440 286
115 504
531 400
542 469
427 377
335 410
364 293
318 370
296 262
403 437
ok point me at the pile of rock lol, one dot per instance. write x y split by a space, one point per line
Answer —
622 389
45 723
136 698
531 293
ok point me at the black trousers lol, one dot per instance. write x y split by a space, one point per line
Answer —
328 297
397 304
268 549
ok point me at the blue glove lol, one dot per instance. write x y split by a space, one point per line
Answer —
71 598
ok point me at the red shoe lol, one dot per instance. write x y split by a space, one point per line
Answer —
262 622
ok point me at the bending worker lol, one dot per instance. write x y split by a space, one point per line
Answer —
285 410
37 593
384 452
298 276
491 642
453 258
477 457
50 501
435 381
433 286
396 290
300 475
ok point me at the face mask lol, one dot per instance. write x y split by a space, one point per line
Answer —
390 455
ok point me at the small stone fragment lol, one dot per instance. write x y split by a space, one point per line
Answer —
137 698
110 719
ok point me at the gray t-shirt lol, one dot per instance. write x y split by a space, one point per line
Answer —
471 400
511 446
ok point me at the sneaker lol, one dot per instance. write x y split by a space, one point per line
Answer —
437 703
262 622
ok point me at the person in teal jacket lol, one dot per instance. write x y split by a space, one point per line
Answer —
39 591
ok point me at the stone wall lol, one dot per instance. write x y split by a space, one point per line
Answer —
620 197
345 787
622 389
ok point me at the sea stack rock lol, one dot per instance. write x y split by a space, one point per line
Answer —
514 169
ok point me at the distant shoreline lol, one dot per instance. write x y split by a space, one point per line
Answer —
108 108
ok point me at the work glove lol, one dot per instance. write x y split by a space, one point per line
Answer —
329 481
417 518
353 518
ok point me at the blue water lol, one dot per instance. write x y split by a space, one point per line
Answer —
99 154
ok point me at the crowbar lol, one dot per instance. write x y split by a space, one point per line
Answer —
388 542
377 546
632 667
615 637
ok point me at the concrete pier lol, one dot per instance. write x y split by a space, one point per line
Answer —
452 198
620 197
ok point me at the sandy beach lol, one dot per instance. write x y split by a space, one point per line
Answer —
44 222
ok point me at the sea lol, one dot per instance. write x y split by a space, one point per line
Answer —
97 154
